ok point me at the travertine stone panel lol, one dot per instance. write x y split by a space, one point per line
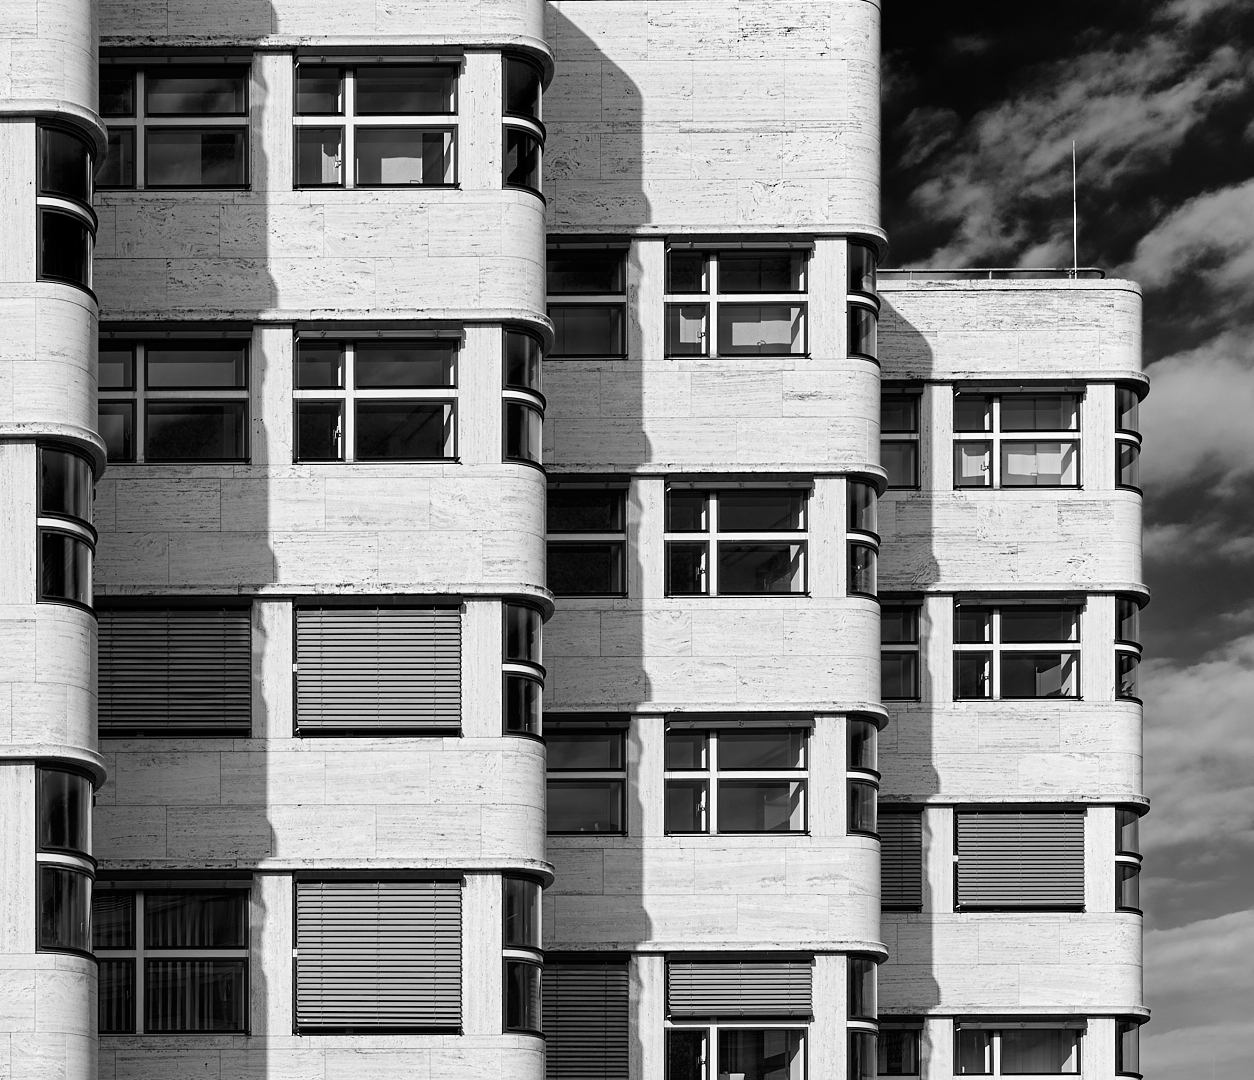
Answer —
17 201
17 898
482 917
48 60
647 1016
737 116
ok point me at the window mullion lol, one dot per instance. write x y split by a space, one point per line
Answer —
711 555
349 418
140 382
141 135
348 168
141 989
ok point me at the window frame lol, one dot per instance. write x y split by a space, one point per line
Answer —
715 1027
907 437
78 862
997 439
81 531
1128 859
589 725
590 538
617 301
914 647
514 953
860 539
996 649
1128 650
517 396
862 776
1122 1028
902 1026
995 1052
521 669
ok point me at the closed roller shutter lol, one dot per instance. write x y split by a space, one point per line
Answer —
374 956
364 669
901 858
585 1021
1030 859
182 670
736 990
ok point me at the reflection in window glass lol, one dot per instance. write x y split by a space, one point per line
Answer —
764 1052
64 165
522 705
198 367
1127 410
522 83
585 806
899 1051
196 92
64 908
862 807
64 568
65 484
523 361
64 819
401 157
1128 465
522 996
863 565
394 430
973 1052
118 168
587 541
65 245
588 330
862 269
863 331
1127 1048
524 433
405 89
195 431
1045 1051
179 158
521 160
522 912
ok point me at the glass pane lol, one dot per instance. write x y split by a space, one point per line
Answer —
862 997
523 358
64 812
522 84
686 272
863 567
899 625
862 807
1039 1051
587 329
972 675
585 750
196 920
1127 620
1020 625
1043 412
400 157
1040 464
746 806
973 625
64 165
861 269
195 995
685 1054
118 168
189 159
762 748
899 1052
761 329
116 424
319 366
863 745
585 806
319 157
973 1052
64 248
686 569
404 430
64 568
586 510
687 511
1039 675
116 1003
762 272
1127 832
319 431
522 633
521 160
524 433
409 365
748 569
117 367
585 569
117 91
405 90
685 806
1127 887
596 273
763 1054
522 996
899 413
1127 409
1128 465
195 431
862 1055
761 511
863 331
65 484
1127 1048
64 909
973 464
862 507
899 676
687 330
200 367
686 749
196 91
522 912
901 462
113 920
319 90
973 412
522 705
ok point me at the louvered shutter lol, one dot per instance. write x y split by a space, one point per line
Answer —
1030 859
178 670
585 1021
363 669
378 955
901 858
739 990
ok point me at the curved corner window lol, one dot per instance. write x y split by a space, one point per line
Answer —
521 913
862 269
522 996
523 705
863 1004
1127 647
1127 860
863 746
522 84
524 432
522 959
1127 621
1127 675
64 568
523 684
521 159
523 361
863 331
64 908
1128 886
65 243
65 484
64 816
64 165
1128 464
862 508
862 807
863 562
1127 1048
64 865
1127 410
67 222
863 1055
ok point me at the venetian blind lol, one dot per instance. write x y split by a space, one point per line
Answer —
901 858
732 990
585 1021
1024 859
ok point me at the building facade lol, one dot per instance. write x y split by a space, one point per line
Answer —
393 339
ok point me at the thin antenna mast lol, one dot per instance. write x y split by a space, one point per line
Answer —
1075 217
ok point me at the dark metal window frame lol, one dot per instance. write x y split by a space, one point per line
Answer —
589 724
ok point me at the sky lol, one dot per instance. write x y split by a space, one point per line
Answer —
981 103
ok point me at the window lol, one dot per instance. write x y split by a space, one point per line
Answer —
521 84
67 222
585 1017
1000 456
900 1049
587 776
737 1019
590 313
396 123
175 671
1128 1048
1038 1049
901 858
175 126
735 303
523 670
864 539
172 960
899 652
587 540
863 1010
378 956
1127 438
522 958
1009 860
734 541
1127 860
175 400
735 778
999 653
899 441
378 670
524 404
67 540
1127 648
63 860
862 767
863 302
380 400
